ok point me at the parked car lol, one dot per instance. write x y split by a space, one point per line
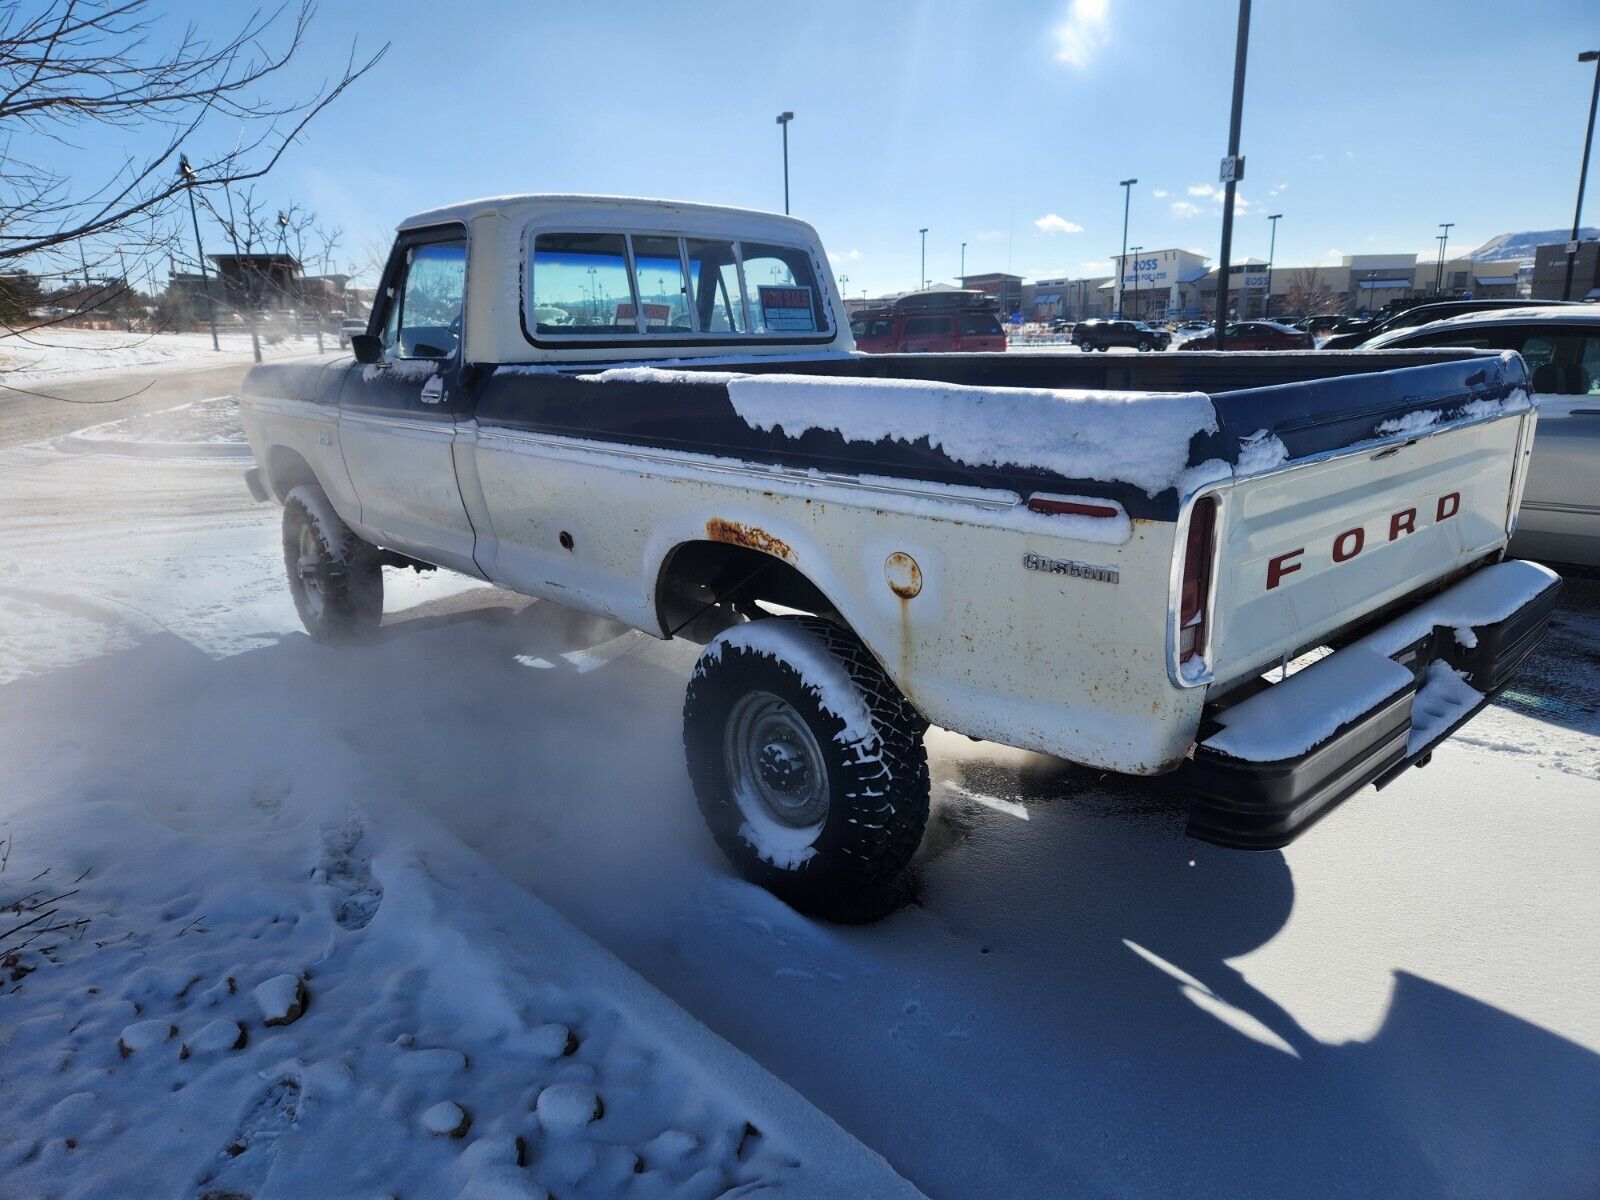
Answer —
1319 324
1419 314
1061 325
964 541
1560 517
1101 334
349 327
1254 335
963 322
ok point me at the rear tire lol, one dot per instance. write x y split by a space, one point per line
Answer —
808 765
334 576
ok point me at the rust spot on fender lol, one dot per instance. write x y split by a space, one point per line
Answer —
751 537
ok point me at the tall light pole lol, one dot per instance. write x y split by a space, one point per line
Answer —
188 173
923 274
1583 171
783 119
1444 240
1134 250
963 264
1272 252
1122 263
1232 168
127 292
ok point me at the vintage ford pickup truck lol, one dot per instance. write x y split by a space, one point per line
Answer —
1282 574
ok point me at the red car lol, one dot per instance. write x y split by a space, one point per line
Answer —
931 323
1255 335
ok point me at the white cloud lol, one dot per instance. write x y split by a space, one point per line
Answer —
839 260
1160 193
1202 189
1279 189
1085 31
1319 156
1182 208
1052 224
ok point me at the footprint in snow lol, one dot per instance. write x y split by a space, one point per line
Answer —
347 869
248 1157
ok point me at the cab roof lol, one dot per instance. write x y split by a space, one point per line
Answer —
648 211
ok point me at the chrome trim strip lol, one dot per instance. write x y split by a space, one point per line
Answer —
442 431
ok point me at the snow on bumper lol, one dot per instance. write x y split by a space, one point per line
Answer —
1269 766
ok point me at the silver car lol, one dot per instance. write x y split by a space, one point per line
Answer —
1560 518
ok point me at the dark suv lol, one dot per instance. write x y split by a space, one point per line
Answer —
1102 335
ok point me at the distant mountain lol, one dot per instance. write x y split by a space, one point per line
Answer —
1510 247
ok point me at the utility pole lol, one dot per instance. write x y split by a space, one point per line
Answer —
187 172
963 264
783 119
1232 169
923 274
1583 171
1444 240
1272 253
1122 263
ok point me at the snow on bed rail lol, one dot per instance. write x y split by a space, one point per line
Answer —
1140 438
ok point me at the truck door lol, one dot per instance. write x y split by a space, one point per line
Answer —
397 416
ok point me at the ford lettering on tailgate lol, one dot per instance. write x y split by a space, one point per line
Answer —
1353 541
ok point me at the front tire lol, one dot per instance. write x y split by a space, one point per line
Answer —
334 576
808 764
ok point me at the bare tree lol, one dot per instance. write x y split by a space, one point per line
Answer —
71 66
1309 293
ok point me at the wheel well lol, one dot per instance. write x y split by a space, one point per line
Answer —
701 574
287 470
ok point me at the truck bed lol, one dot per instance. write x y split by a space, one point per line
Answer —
1313 402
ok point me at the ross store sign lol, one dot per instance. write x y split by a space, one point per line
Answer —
1159 270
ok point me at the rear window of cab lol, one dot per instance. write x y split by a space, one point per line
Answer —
640 287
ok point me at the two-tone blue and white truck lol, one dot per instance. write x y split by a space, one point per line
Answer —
1283 574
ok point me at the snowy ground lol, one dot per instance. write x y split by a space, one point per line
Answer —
54 353
1079 1002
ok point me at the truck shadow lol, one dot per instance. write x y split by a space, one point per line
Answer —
1057 1014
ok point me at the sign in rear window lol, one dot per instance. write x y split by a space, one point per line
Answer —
787 309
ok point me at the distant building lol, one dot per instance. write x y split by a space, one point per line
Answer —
1550 271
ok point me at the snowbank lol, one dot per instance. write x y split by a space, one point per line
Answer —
59 353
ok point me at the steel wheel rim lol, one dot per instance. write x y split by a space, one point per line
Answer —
776 770
309 566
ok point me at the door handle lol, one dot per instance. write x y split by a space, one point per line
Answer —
433 390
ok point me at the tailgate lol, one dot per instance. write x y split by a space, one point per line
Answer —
1313 544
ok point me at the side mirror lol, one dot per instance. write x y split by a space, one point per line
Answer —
367 347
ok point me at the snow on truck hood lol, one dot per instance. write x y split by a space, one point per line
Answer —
1140 438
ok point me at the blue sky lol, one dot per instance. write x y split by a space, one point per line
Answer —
1365 123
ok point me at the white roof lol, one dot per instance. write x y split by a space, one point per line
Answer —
650 212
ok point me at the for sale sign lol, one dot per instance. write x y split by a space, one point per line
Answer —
787 308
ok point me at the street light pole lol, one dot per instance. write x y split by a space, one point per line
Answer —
963 264
1134 250
1122 263
1444 240
126 314
1233 162
1272 253
1583 171
923 274
187 172
783 119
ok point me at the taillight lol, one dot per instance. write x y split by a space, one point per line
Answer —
1197 554
1062 506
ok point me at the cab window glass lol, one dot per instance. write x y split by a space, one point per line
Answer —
980 325
714 283
926 325
663 289
784 296
581 284
427 321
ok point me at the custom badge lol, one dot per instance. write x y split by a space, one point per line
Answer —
1067 566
